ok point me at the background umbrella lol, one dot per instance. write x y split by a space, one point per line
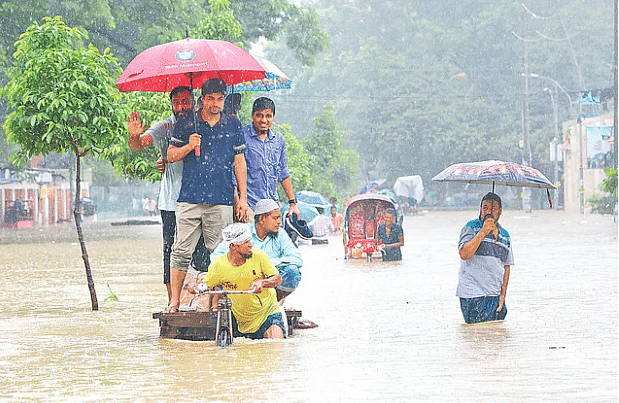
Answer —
312 198
275 79
308 212
496 172
188 62
373 186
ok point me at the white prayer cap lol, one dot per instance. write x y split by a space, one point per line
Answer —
237 233
265 206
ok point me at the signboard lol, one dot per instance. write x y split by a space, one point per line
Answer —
599 142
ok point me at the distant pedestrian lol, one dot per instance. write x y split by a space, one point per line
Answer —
391 235
321 225
337 220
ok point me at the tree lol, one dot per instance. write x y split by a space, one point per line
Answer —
152 108
605 203
219 23
63 98
298 160
419 85
273 19
333 168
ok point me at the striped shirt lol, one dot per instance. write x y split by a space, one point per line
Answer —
482 274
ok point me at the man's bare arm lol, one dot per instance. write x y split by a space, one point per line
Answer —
469 248
287 186
269 282
178 153
137 140
503 289
240 172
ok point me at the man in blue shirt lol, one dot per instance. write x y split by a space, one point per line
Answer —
159 135
267 235
266 157
486 253
211 147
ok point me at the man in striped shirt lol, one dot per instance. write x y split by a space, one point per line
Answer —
486 253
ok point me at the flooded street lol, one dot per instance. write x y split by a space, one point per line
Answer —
388 332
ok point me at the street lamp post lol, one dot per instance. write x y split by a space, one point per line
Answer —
556 140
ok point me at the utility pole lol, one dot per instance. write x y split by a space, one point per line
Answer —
526 144
615 149
556 140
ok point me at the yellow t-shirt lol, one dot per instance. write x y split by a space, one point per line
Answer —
250 310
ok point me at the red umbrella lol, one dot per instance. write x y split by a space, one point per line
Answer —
188 62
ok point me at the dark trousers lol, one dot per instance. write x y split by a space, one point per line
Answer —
201 255
482 309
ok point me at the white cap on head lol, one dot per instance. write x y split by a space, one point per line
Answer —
265 206
237 233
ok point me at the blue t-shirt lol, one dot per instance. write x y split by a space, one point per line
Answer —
207 178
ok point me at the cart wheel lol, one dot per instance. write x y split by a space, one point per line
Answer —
223 337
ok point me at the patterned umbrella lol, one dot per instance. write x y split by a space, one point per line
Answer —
495 172
275 79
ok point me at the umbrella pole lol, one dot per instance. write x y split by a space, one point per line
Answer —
193 112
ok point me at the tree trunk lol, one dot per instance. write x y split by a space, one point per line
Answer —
80 235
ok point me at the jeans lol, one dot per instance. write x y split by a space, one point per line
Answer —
291 276
482 309
275 319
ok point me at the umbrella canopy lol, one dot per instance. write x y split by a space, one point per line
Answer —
373 186
495 172
312 198
275 79
308 213
370 197
188 62
409 186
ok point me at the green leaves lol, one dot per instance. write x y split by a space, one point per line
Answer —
219 23
62 95
152 107
333 168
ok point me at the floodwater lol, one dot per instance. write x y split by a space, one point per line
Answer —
388 332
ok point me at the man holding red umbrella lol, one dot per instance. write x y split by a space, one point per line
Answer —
212 148
159 134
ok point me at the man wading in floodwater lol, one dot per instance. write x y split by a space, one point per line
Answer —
486 253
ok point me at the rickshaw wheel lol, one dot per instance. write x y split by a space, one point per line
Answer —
223 337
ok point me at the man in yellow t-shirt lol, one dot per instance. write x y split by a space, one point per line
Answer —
243 268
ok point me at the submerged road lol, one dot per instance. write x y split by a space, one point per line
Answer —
388 332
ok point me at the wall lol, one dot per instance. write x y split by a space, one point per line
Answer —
592 178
